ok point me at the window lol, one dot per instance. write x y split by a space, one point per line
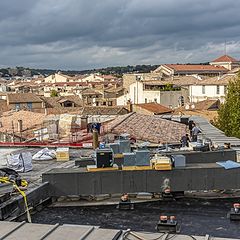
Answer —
218 89
155 100
181 101
29 105
17 106
203 90
145 100
225 89
110 103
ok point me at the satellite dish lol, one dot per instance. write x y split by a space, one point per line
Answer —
193 106
187 107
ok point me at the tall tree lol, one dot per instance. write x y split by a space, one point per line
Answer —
229 112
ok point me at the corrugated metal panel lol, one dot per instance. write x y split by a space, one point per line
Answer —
208 130
25 231
70 232
31 231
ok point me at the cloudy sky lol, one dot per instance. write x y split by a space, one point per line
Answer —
85 34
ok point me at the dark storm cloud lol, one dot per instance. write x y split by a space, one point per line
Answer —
79 34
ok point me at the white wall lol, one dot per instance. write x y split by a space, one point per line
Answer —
55 78
196 92
150 96
168 98
136 92
122 100
3 88
93 78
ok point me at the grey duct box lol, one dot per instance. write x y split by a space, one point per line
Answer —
114 146
129 159
124 146
142 157
179 161
124 136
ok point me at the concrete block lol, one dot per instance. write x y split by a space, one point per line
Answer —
102 197
144 195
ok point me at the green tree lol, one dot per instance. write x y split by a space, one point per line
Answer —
229 112
54 93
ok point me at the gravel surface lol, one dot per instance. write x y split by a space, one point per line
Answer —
196 216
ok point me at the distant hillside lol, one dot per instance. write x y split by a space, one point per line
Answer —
118 71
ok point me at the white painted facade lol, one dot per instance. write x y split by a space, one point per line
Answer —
202 92
137 95
193 93
3 88
54 78
122 100
93 78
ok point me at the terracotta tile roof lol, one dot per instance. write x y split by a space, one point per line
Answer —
179 81
223 80
104 110
207 105
23 98
3 106
155 108
235 70
10 119
113 89
195 68
62 84
148 128
90 91
108 77
225 58
54 102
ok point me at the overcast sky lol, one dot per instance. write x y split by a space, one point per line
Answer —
85 34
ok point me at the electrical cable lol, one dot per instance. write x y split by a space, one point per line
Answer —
141 238
24 184
25 202
192 237
170 237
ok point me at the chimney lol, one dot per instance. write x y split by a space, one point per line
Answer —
129 106
20 125
84 122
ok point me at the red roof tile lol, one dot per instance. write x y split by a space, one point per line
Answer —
207 104
147 128
193 67
225 58
155 108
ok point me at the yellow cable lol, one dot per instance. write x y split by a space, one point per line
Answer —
24 183
25 201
